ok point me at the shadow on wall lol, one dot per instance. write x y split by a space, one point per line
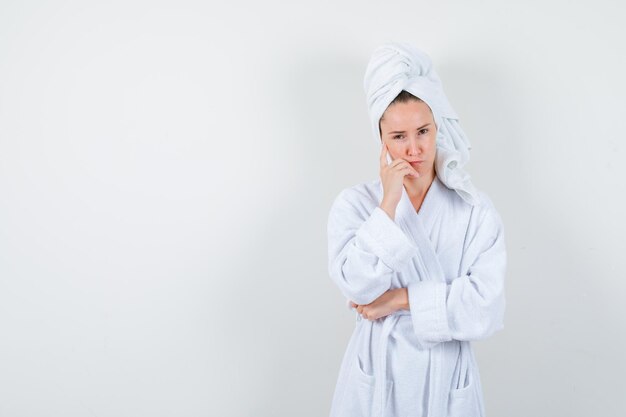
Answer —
555 316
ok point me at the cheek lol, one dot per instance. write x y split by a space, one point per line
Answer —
433 145
394 147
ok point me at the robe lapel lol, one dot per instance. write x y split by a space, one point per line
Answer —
417 225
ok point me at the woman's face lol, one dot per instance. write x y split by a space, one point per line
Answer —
410 133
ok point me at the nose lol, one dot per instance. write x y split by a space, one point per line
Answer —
413 146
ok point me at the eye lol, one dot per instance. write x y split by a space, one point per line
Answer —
398 136
423 130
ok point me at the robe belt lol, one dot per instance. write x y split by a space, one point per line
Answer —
380 393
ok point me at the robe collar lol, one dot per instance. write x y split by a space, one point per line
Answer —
428 210
419 226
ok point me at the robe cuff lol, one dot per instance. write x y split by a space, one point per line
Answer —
427 303
382 236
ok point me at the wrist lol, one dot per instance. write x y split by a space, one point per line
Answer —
402 299
388 208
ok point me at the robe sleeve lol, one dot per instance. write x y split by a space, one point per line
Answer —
472 306
365 248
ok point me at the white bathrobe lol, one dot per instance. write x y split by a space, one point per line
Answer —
451 256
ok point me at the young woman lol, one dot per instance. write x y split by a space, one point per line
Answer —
419 253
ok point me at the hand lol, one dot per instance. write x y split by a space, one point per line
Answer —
392 177
389 302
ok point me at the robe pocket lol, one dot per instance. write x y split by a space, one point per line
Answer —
366 384
462 402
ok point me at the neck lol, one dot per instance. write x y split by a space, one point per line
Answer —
418 187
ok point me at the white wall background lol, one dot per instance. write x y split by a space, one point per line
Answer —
166 170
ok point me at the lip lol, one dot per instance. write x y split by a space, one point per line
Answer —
416 162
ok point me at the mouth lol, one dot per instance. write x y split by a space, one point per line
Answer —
415 162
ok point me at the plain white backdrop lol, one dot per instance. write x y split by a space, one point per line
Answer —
167 167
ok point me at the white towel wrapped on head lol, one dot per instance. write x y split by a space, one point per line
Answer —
397 66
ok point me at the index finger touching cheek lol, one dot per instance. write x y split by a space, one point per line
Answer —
383 155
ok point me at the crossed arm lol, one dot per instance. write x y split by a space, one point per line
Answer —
367 248
389 302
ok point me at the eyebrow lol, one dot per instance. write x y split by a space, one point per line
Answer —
403 131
